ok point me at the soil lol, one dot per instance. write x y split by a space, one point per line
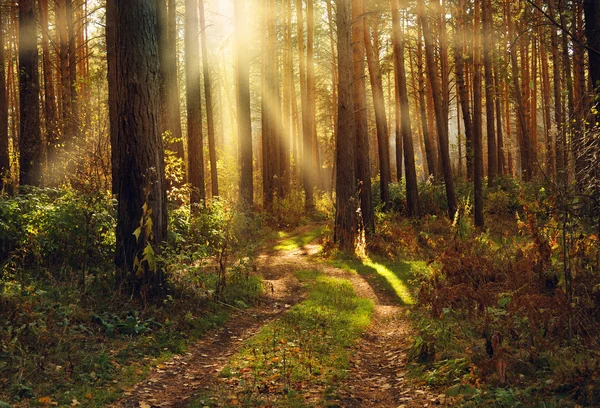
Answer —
378 375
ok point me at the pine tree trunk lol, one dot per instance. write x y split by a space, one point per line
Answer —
363 165
591 9
243 107
30 141
558 109
477 119
437 100
210 121
4 155
139 148
431 157
174 104
345 222
492 154
310 83
412 194
194 108
385 172
111 55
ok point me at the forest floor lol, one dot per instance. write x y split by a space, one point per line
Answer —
376 374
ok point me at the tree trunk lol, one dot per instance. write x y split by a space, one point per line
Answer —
111 55
558 109
477 119
345 222
30 141
210 121
194 108
363 166
526 169
52 137
437 100
315 173
431 157
243 107
488 43
385 172
463 95
73 119
412 194
591 9
142 197
4 155
287 77
174 104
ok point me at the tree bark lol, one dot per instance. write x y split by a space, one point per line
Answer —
591 9
430 156
477 119
412 194
385 172
171 72
139 150
437 100
111 55
194 108
4 155
345 222
558 108
243 107
210 121
492 154
363 166
30 141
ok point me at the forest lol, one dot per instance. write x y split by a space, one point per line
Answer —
299 203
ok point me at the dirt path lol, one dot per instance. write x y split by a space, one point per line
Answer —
377 377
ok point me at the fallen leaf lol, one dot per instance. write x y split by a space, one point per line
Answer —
74 403
144 404
45 400
89 395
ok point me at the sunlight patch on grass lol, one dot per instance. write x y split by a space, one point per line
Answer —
298 241
397 283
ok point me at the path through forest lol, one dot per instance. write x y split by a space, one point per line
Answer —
378 372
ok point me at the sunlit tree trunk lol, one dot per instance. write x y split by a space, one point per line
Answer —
579 94
568 82
363 166
194 108
526 170
310 83
488 44
437 100
345 222
499 131
459 58
30 141
558 104
210 120
412 194
174 105
477 119
111 55
430 156
287 76
4 155
52 136
243 106
385 172
546 101
73 119
307 170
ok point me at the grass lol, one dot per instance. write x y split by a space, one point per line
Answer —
300 240
62 351
391 277
305 352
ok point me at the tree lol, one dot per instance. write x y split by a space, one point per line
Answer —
142 200
492 154
210 121
477 119
591 11
345 187
439 111
412 193
385 172
359 102
4 157
194 107
30 141
243 107
172 84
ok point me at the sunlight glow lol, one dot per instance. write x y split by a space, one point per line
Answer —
395 282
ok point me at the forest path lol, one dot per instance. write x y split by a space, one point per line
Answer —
378 372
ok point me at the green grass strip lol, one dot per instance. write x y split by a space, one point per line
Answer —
301 356
299 241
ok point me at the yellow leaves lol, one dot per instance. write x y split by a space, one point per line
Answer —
144 404
47 401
